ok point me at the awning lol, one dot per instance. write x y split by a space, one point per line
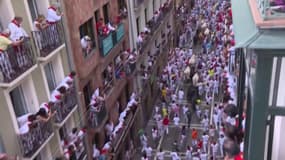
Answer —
244 26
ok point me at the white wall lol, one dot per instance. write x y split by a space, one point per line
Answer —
279 127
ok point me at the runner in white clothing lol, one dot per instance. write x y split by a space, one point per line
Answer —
221 144
160 154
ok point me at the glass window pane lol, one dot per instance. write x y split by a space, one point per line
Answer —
50 76
18 101
33 8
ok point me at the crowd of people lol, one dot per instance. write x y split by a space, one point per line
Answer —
202 61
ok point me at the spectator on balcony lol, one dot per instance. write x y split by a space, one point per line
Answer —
40 23
140 40
111 27
5 42
26 122
146 30
86 44
17 32
155 16
70 153
96 152
99 26
52 14
43 115
123 12
57 95
109 127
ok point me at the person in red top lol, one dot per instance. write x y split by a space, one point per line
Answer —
165 124
194 136
99 26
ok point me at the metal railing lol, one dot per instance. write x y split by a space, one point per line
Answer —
108 86
271 9
15 61
30 142
108 42
65 107
95 116
48 39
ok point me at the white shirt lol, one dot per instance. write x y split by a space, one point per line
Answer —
22 120
174 156
203 156
148 151
52 15
205 138
176 120
96 152
53 96
110 27
154 133
25 128
180 94
215 147
84 43
221 141
16 32
160 155
139 39
188 154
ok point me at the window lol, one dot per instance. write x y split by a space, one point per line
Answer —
145 15
33 8
63 132
87 39
121 4
97 15
49 71
138 25
18 101
87 93
106 13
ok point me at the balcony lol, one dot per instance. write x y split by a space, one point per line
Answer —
271 9
154 26
108 42
32 141
64 108
48 39
96 115
15 61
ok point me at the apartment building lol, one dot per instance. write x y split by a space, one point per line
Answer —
111 28
154 21
259 50
30 74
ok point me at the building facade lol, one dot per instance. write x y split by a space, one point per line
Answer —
113 27
259 50
30 74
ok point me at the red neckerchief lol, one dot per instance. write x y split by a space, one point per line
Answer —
51 7
15 22
4 35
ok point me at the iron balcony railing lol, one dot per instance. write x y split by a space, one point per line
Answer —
15 61
108 86
270 9
64 107
30 142
95 116
108 42
48 39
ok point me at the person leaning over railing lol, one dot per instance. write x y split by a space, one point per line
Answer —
5 42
